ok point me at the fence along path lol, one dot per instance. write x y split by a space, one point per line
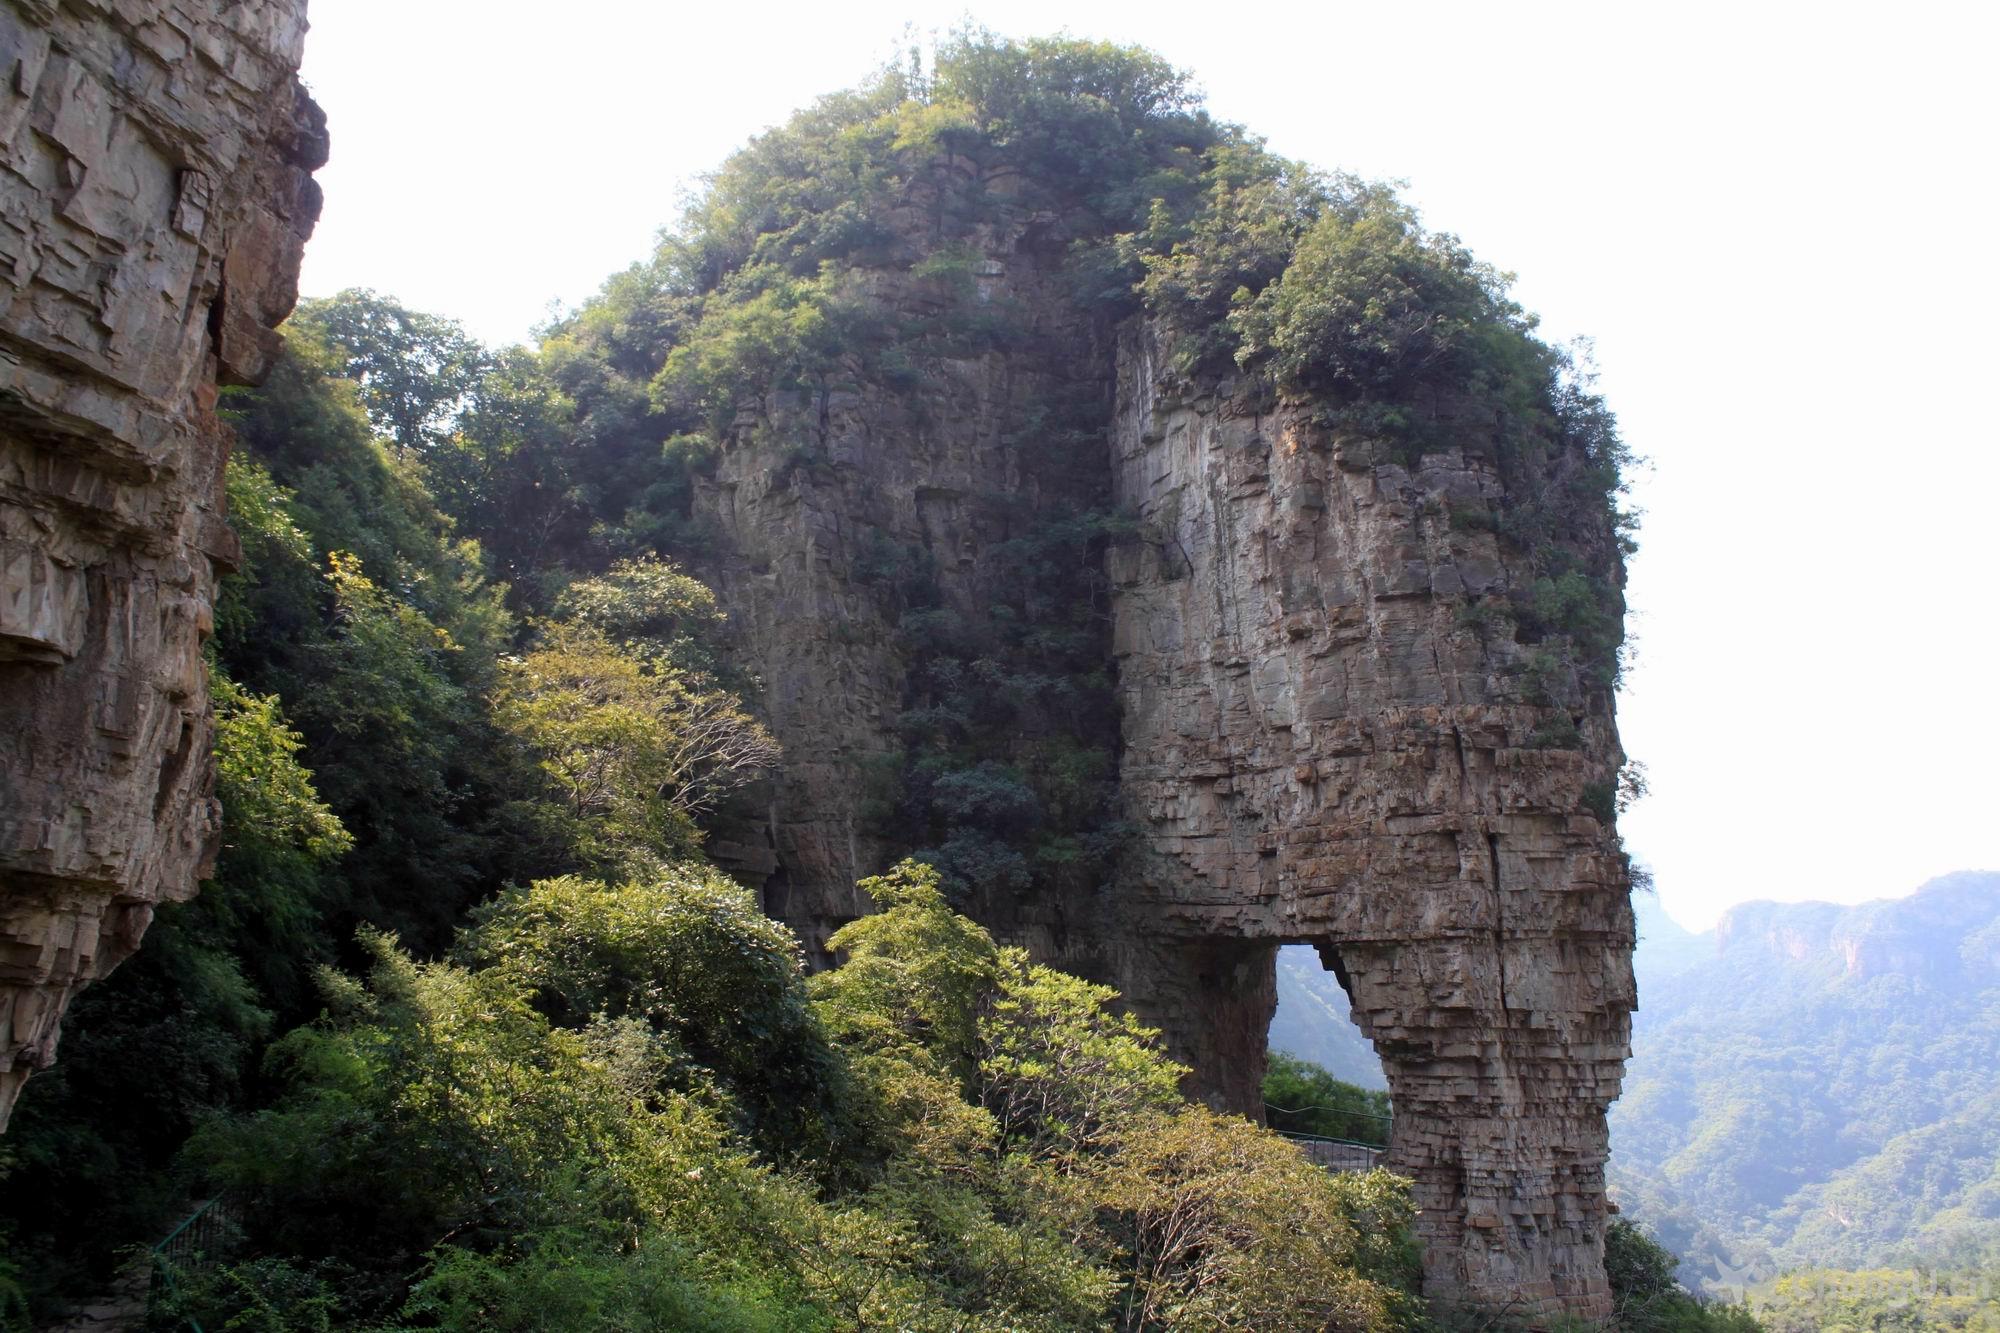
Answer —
1338 1154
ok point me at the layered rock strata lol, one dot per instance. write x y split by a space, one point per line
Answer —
155 198
1325 739
1322 745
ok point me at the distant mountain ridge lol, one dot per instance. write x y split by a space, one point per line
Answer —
1948 929
1666 947
1815 1083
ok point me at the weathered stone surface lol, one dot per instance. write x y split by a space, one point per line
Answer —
155 197
1321 747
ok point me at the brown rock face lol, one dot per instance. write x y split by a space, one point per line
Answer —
1321 745
1324 740
155 198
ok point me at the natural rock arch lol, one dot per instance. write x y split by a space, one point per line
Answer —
1318 748
1318 744
1328 732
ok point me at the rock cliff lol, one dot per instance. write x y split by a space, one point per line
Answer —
1322 746
816 493
155 198
1331 727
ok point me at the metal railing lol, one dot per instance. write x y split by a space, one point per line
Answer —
1337 1154
190 1248
1376 1138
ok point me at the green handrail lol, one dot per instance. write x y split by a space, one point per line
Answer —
1325 1138
171 1248
161 1246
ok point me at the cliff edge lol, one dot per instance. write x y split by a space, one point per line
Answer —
155 198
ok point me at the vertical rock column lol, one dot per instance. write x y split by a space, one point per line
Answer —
155 199
1334 733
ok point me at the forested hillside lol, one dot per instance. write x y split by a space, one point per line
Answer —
1841 1107
464 1033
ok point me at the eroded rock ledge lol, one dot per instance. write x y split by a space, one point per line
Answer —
155 198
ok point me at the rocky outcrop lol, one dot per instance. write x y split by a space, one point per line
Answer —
1332 733
155 197
1327 742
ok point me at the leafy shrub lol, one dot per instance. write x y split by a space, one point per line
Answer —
718 985
629 749
647 605
1647 1299
1076 1133
579 1282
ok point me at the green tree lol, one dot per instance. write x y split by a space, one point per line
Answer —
435 1115
650 607
629 752
416 371
1302 1098
913 976
718 985
1072 1130
1647 1299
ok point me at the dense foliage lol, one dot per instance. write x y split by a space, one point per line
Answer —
618 1106
1302 1098
390 744
1883 1300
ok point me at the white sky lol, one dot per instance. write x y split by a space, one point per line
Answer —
1776 221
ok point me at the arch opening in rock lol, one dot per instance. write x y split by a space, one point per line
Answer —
1314 1021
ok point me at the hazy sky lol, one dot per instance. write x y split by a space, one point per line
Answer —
1776 221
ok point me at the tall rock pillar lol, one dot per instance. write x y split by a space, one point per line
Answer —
1335 733
155 198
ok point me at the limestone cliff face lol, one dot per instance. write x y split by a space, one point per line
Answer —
1324 742
155 197
812 485
1331 733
